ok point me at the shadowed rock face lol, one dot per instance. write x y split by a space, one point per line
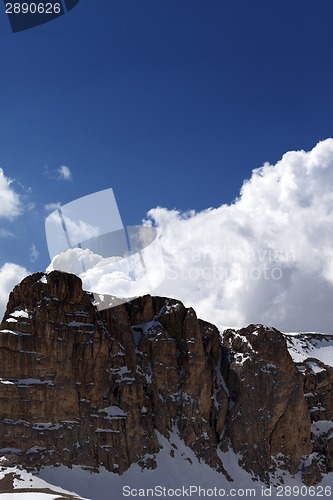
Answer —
84 387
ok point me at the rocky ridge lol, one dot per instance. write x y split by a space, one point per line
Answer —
78 386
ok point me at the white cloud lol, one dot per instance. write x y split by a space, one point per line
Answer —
4 233
123 277
74 260
49 207
10 203
267 258
77 230
64 173
10 275
10 207
33 253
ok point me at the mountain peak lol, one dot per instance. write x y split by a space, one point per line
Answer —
97 388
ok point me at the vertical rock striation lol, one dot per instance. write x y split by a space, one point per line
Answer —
268 422
78 386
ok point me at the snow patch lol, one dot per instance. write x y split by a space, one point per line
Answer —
310 345
112 412
20 314
321 427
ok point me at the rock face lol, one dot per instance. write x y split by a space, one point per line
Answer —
269 416
318 385
78 386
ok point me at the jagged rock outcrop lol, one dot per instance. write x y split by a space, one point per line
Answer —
268 422
79 386
318 384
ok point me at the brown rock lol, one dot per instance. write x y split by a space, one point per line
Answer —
269 416
80 386
318 383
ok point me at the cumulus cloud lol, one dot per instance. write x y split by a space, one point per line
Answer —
10 203
74 260
64 173
123 276
33 253
10 207
267 257
10 275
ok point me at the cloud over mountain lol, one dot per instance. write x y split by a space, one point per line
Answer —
10 207
10 275
266 258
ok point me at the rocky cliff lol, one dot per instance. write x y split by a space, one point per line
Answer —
78 386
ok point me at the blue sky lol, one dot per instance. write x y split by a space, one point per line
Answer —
171 103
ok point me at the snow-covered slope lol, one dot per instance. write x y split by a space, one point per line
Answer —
179 471
178 474
18 484
311 345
